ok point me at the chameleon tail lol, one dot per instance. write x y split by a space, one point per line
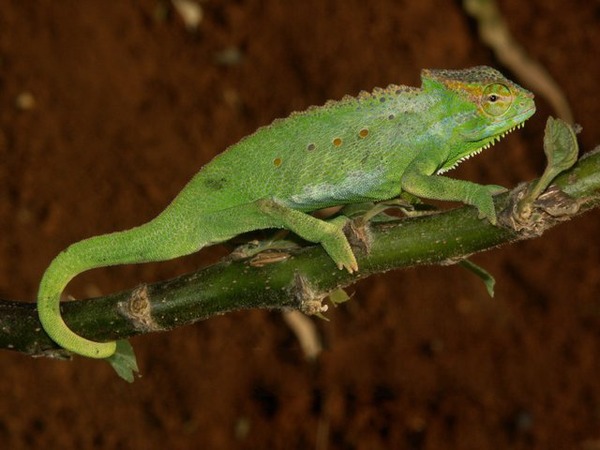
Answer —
149 242
56 277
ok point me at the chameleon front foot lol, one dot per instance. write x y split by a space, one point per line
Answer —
484 202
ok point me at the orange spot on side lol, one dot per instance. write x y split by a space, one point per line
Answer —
337 142
363 133
277 162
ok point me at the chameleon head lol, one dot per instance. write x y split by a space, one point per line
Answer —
484 105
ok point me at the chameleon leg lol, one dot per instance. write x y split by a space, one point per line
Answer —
438 187
329 234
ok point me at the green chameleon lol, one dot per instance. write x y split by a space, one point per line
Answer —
363 149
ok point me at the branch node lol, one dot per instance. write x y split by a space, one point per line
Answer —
138 309
551 207
310 300
359 235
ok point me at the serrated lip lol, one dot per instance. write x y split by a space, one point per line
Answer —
521 119
524 115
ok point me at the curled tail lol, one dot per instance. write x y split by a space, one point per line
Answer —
150 242
55 279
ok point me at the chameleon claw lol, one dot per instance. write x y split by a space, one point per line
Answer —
352 267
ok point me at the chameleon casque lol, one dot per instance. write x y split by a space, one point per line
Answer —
359 149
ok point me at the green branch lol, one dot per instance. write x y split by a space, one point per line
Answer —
302 278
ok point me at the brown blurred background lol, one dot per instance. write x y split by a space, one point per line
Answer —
108 108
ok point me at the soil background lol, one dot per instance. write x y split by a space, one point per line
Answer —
108 108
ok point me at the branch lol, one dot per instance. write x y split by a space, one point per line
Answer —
301 279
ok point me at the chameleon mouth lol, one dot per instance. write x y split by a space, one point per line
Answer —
495 139
520 120
487 145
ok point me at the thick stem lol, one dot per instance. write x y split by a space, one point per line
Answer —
303 279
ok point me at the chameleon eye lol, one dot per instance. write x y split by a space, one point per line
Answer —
496 99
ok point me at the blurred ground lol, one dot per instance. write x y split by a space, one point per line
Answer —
108 108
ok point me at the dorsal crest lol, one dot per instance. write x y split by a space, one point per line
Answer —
474 75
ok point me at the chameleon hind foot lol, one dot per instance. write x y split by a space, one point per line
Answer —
336 245
330 234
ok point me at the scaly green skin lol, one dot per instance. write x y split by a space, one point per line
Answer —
368 148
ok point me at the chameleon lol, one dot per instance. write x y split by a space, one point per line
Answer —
367 148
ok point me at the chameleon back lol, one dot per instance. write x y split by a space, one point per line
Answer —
343 152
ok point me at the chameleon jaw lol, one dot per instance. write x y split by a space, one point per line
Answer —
492 140
496 138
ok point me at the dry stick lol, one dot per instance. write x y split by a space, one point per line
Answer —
495 33
305 331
